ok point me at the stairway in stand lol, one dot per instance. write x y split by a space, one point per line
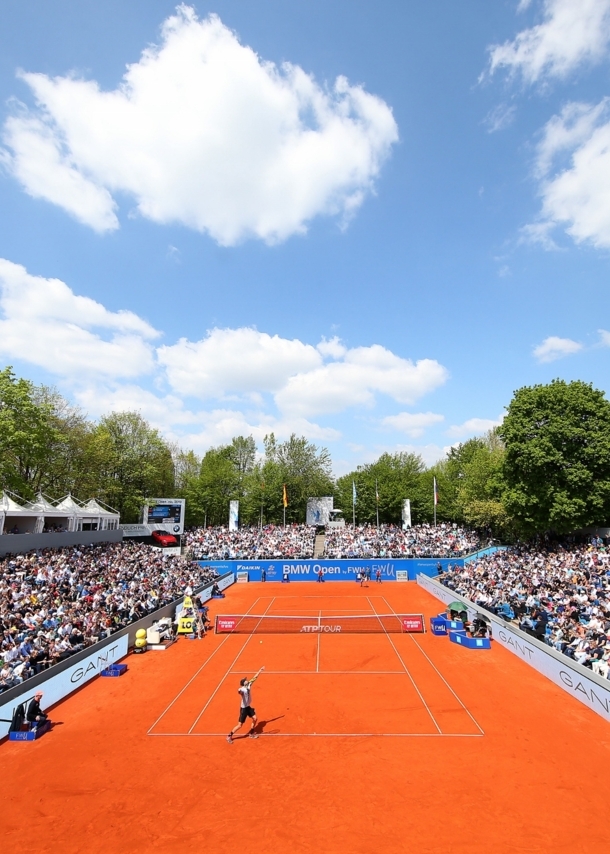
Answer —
318 546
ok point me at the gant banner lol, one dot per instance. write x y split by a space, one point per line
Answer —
334 570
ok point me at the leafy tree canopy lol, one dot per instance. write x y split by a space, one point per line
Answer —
556 467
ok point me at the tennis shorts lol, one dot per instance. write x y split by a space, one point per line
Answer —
246 712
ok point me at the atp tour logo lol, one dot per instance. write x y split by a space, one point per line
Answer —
320 628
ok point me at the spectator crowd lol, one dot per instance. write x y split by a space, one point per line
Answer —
268 543
362 541
367 541
55 602
560 594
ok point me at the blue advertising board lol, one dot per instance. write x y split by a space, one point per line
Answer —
307 569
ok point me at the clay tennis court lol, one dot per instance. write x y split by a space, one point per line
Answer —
368 742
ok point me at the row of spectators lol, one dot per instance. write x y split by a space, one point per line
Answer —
297 541
365 541
55 602
558 593
268 543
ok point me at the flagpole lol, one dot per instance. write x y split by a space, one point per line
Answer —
354 503
435 499
377 501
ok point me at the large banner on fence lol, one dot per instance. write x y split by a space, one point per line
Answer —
333 570
576 680
58 687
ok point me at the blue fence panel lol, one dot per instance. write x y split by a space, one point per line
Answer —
333 570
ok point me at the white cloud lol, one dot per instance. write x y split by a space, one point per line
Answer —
572 33
573 166
202 132
474 427
414 424
256 383
333 349
44 323
554 348
604 337
500 117
354 381
236 361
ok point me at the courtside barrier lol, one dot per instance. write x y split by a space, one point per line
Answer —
578 681
307 569
59 685
60 680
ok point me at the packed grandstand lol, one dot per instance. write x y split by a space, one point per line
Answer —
297 541
56 602
560 594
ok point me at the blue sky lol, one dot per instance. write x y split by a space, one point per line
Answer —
365 223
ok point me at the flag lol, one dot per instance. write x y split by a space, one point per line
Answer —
435 493
285 497
353 491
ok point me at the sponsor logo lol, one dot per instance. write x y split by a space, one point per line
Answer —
93 667
412 624
320 628
520 648
580 688
224 625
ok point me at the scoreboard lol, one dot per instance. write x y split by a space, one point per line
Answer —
165 514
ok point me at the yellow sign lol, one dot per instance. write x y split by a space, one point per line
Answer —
188 603
187 625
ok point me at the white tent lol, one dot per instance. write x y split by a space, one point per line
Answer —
109 518
54 520
17 519
91 516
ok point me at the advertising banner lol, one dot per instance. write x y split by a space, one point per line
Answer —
319 510
406 513
233 515
225 624
60 686
581 683
333 570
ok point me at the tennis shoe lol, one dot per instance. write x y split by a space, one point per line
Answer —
253 735
230 739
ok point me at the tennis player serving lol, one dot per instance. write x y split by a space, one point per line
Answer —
246 710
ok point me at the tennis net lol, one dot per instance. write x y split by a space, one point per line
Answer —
279 624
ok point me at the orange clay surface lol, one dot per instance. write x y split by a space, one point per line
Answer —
369 743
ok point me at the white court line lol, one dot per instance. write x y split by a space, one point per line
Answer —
322 735
329 672
475 722
406 668
180 693
248 639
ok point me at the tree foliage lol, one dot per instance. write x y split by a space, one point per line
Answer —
557 463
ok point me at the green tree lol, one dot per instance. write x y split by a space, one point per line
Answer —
133 461
557 462
26 435
382 485
475 469
305 469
